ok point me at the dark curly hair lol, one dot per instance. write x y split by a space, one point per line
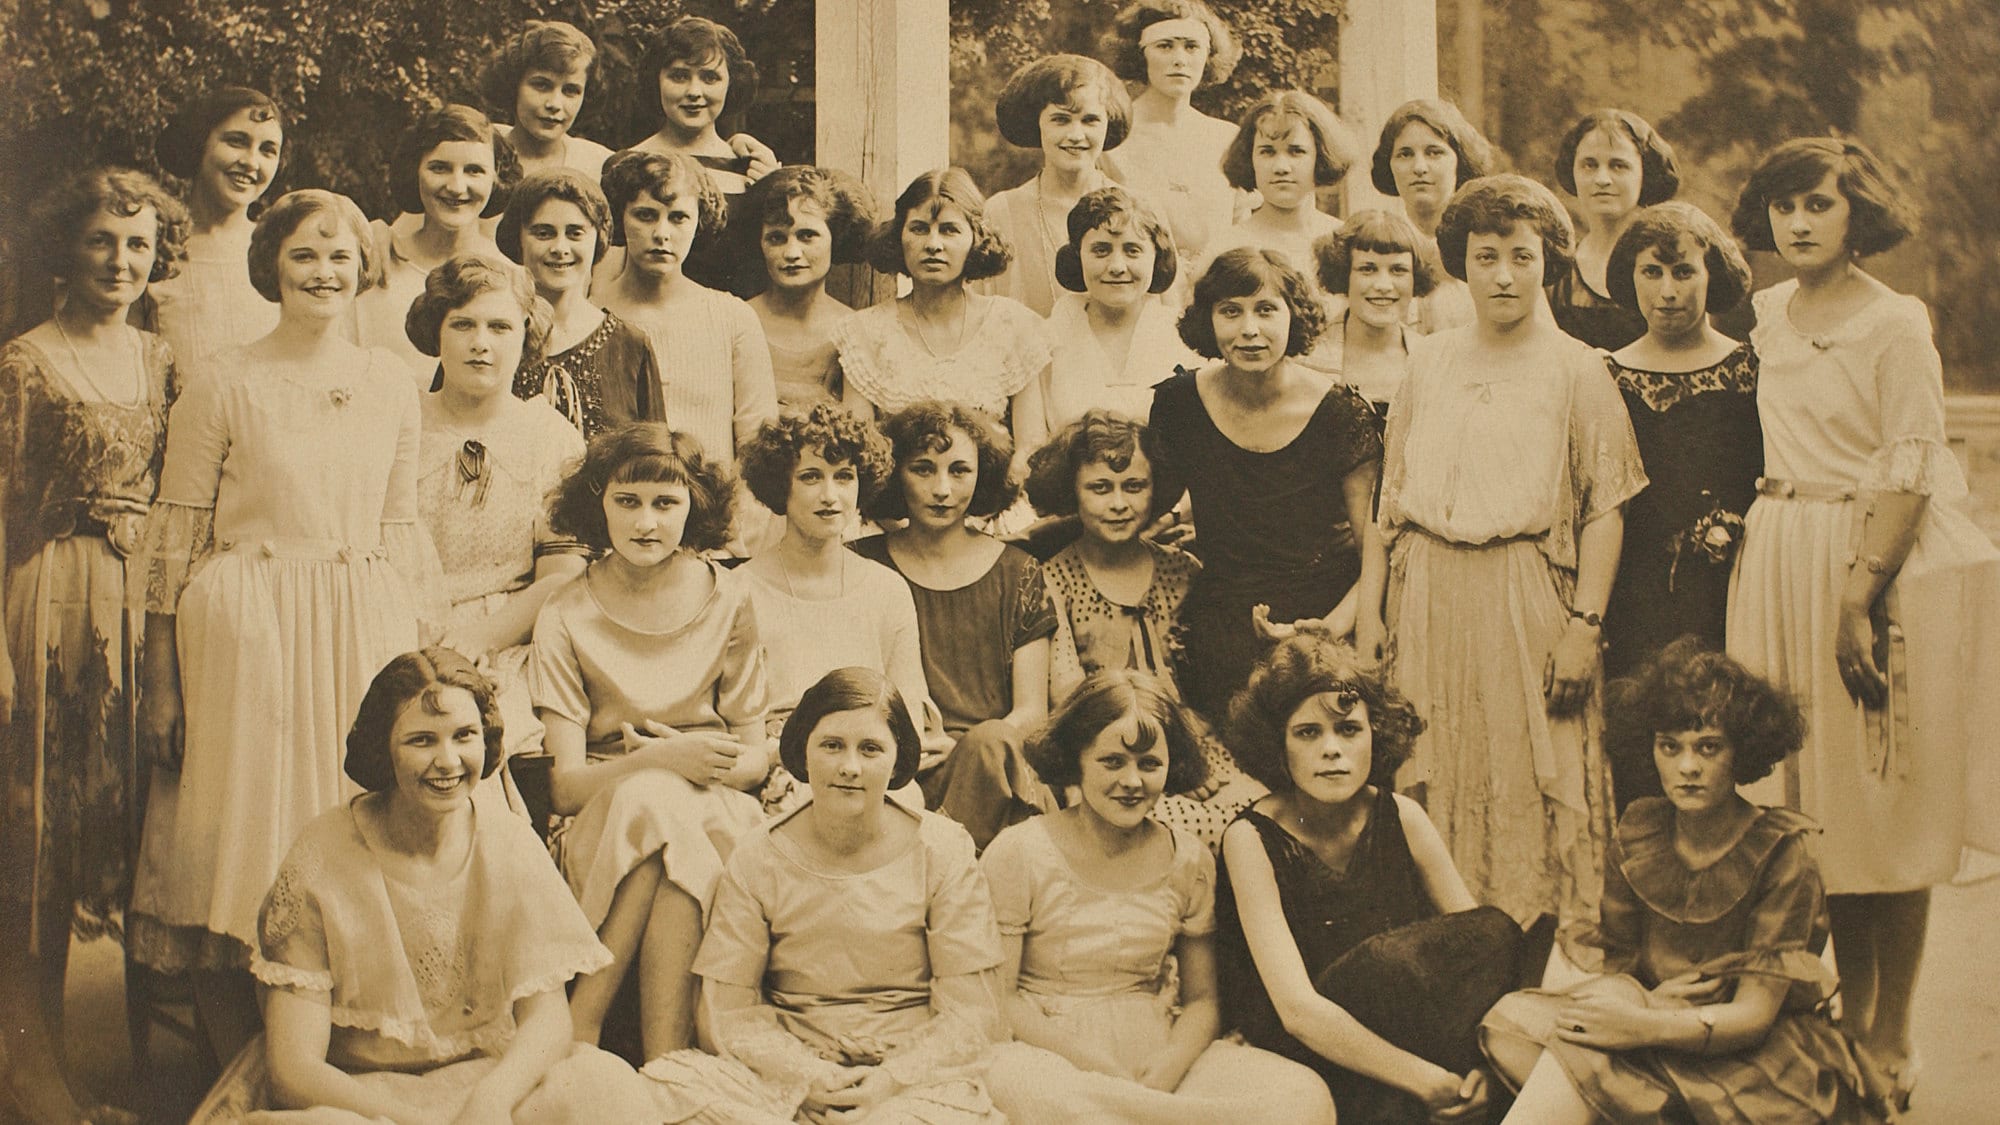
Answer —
839 436
1114 207
181 144
1120 46
1475 153
1332 150
1239 273
1688 687
952 185
695 39
423 675
646 452
1660 228
443 126
459 279
550 45
1055 80
1102 699
1310 663
851 689
927 427
538 188
633 172
1659 172
1879 218
1495 205
60 215
845 201
283 218
1375 231
1098 436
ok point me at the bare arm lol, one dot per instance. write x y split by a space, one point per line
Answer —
703 757
1031 686
1200 1016
1442 881
1358 491
1611 1024
541 1040
1573 664
514 622
1889 523
297 1031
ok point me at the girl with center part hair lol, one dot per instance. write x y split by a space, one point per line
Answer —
649 677
1373 267
1613 164
1510 458
1073 110
1288 145
1092 901
805 220
1347 940
535 82
1427 150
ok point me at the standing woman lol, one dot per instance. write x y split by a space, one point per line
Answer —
1380 263
228 145
1288 145
284 566
537 80
1173 154
1613 164
805 220
1858 548
83 403
1073 110
1427 149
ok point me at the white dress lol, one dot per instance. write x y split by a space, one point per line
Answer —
892 369
1082 377
209 306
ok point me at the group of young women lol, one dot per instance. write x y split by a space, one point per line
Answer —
317 530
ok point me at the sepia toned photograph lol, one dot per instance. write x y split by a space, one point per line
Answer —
944 562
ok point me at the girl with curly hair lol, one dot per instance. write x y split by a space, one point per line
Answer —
805 220
535 82
648 675
1348 941
1713 1006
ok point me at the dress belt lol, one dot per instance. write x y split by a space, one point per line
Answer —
1778 489
305 550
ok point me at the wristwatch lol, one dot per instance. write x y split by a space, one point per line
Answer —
1594 620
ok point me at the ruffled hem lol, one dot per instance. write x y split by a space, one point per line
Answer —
1665 883
1920 465
178 539
280 975
171 949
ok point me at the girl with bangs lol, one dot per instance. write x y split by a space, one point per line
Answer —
1371 269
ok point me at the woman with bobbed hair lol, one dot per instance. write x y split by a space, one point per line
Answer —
83 413
285 565
1612 163
805 220
1426 151
449 173
1863 585
1073 111
1510 458
228 144
1288 145
1347 940
1173 154
1372 268
535 82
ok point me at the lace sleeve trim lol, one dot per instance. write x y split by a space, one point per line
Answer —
179 539
1920 465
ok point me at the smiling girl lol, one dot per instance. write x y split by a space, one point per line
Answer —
536 81
1374 266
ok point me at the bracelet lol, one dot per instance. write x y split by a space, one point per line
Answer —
1875 564
1707 1018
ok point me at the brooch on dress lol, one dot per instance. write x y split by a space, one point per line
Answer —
340 396
1714 537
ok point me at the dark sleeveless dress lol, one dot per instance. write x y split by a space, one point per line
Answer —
1590 316
1373 944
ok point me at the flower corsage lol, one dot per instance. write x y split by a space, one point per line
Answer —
1713 538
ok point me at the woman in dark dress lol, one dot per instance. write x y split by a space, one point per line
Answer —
1284 455
1692 394
1613 164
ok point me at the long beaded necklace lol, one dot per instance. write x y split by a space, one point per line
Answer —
135 367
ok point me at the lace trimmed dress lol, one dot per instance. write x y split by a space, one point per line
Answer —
285 542
1096 963
606 379
1759 911
1902 791
887 365
78 476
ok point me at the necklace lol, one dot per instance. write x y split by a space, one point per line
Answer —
964 314
135 367
839 569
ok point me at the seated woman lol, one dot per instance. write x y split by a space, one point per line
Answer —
1092 902
983 616
1117 596
649 677
1348 942
1714 1003
804 220
849 963
411 954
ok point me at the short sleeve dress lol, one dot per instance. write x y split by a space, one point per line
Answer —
892 369
606 379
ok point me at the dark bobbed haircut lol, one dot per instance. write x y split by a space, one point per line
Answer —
1376 230
538 188
845 201
1475 153
632 173
1114 206
1687 687
1099 435
60 214
1310 663
1101 700
695 39
953 185
442 126
283 218
1333 150
419 677
836 433
181 144
1878 218
462 277
651 453
1495 205
550 45
1055 80
1660 228
927 427
1239 273
1659 171
1120 46
851 689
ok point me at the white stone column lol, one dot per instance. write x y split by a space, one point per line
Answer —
1388 55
